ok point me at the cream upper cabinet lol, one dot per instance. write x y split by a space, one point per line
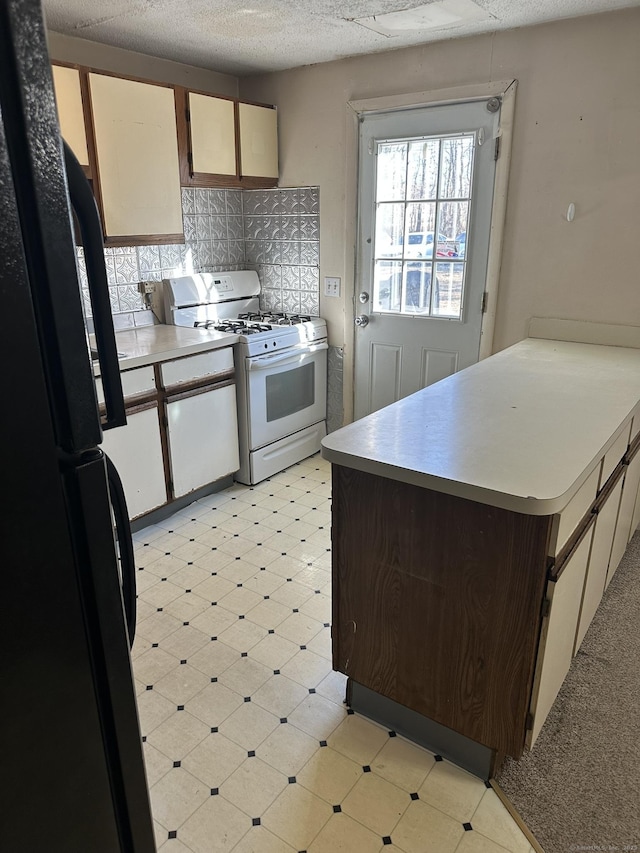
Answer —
213 134
137 155
66 82
258 141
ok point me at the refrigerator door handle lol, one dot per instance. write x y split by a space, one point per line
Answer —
125 547
84 206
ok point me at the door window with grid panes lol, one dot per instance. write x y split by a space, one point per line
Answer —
422 202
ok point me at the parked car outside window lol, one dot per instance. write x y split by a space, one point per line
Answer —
420 245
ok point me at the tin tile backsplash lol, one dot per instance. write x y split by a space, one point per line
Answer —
275 232
282 242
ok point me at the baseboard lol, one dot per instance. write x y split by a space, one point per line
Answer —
506 802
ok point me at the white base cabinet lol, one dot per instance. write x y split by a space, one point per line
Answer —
203 438
573 596
136 451
182 428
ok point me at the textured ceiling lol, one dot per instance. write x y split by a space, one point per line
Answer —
243 38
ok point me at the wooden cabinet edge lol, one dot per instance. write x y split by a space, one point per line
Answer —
136 403
144 240
172 395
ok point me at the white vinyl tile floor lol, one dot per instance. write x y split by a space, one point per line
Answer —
248 744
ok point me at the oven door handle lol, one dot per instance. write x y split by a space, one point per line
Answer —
263 362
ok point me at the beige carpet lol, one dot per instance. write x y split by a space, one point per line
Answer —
579 789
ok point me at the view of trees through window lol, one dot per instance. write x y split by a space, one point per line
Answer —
423 196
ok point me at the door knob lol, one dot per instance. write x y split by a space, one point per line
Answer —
362 321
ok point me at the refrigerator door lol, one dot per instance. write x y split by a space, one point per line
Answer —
73 771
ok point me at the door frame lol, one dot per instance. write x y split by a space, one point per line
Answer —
355 109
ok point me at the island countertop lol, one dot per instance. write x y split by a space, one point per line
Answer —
520 430
148 344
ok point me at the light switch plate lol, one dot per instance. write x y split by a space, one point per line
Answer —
332 285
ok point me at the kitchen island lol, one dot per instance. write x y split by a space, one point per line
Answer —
476 525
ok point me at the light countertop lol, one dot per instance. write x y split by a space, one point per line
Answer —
148 344
520 430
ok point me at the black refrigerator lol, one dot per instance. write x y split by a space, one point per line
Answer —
72 776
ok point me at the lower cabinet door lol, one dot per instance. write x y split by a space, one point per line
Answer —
136 451
203 438
558 634
599 561
625 516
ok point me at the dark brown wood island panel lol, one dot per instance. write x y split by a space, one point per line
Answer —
437 603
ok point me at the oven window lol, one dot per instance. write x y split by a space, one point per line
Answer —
290 391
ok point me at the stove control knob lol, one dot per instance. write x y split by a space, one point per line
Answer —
362 321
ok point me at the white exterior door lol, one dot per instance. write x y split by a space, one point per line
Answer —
426 183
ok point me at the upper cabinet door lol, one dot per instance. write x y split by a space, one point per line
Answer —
258 141
213 135
137 156
66 82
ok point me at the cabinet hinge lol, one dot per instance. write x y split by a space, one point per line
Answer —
485 300
546 607
190 159
529 723
187 115
497 149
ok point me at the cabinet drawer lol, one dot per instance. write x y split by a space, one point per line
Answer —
134 382
205 364
567 521
615 453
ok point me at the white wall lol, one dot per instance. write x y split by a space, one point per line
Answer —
132 64
576 139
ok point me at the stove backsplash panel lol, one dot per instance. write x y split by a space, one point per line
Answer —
282 242
275 232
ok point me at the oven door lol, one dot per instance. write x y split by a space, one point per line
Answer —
286 392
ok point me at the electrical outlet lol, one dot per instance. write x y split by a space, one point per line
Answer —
146 287
331 285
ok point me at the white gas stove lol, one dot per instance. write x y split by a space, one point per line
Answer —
262 331
281 365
